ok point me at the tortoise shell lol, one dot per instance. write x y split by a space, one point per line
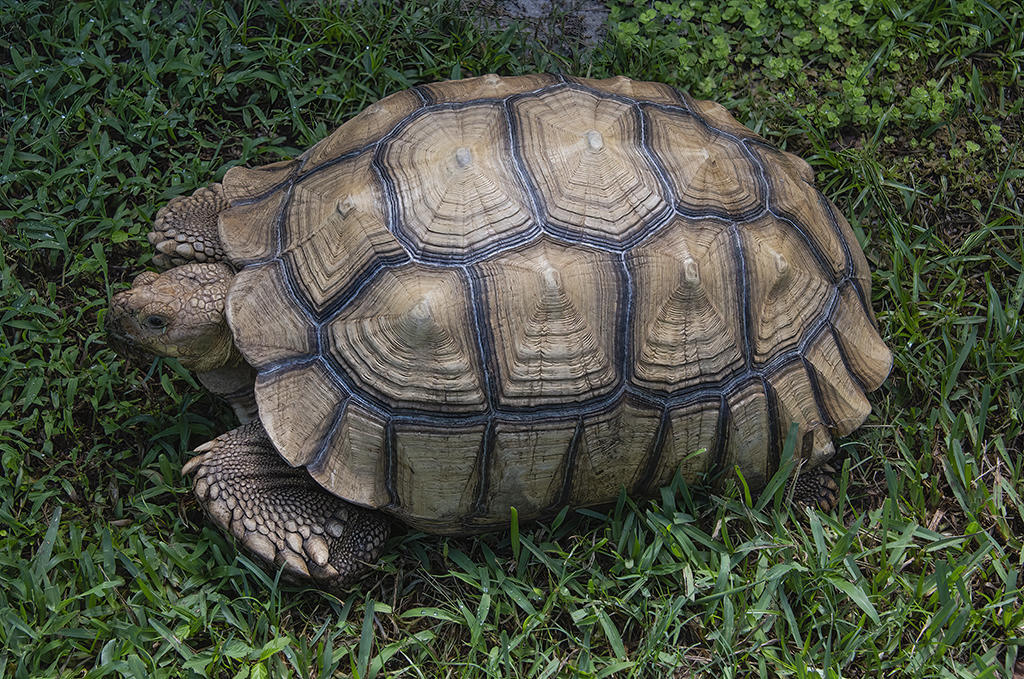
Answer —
535 291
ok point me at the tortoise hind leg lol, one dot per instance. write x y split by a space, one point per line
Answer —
186 230
280 513
815 488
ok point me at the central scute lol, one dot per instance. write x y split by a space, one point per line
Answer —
470 180
455 183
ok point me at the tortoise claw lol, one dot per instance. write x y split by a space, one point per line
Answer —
185 230
280 514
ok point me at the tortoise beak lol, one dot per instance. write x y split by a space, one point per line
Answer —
125 348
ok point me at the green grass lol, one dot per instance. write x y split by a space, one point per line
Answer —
910 115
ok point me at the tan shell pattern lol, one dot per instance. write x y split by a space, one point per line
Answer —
534 291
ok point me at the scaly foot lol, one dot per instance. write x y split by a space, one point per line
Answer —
280 513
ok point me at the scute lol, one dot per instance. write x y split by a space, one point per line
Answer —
353 463
635 90
787 288
865 353
797 402
533 291
718 117
364 130
259 293
299 434
485 87
437 475
800 204
749 435
843 403
455 184
592 177
406 340
614 452
709 172
528 468
687 325
335 231
247 229
689 443
552 315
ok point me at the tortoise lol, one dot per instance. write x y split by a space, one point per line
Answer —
505 292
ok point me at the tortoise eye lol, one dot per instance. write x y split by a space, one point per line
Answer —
155 322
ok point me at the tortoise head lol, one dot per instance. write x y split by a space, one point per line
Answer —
178 314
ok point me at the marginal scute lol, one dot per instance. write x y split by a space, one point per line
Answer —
364 129
866 354
593 179
777 160
245 184
748 435
248 230
436 474
787 291
708 172
553 313
455 182
528 467
407 338
612 451
336 231
688 443
843 400
686 324
861 270
299 433
259 293
489 86
622 86
719 117
796 403
354 463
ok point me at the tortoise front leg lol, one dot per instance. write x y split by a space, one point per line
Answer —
235 383
280 513
186 229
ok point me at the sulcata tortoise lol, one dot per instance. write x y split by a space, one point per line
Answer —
521 292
